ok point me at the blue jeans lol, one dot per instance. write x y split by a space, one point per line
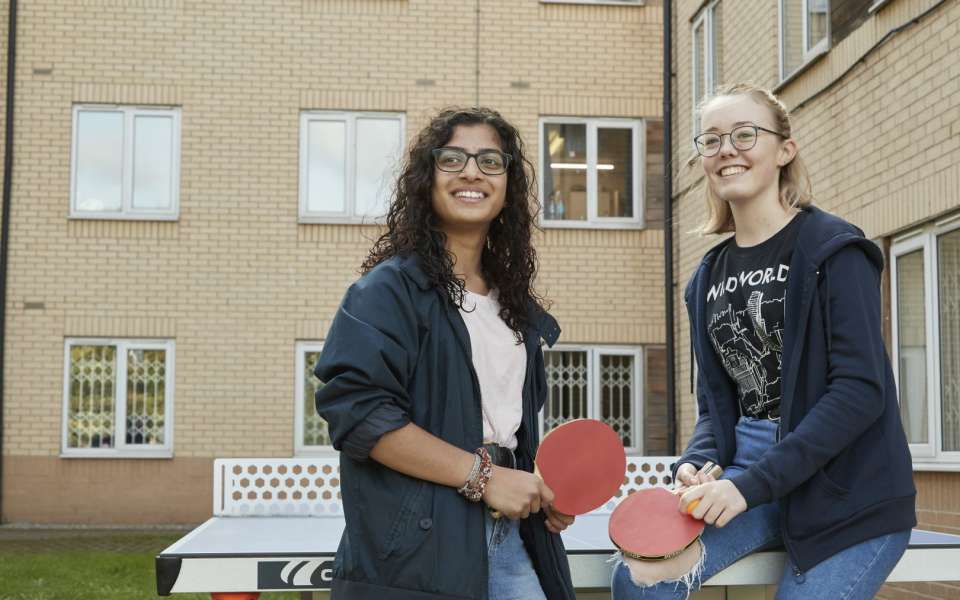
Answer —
855 573
510 572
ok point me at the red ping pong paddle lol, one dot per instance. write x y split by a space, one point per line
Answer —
583 462
647 525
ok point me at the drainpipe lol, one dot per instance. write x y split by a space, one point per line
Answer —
5 213
668 222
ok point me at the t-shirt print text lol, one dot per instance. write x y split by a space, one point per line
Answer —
748 278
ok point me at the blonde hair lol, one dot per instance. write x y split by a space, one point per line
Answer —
794 181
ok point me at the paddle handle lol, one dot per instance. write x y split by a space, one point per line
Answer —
711 470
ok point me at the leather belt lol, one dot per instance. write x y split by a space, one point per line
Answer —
502 457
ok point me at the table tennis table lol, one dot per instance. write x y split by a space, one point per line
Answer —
262 540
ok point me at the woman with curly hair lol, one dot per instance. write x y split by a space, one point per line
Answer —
434 376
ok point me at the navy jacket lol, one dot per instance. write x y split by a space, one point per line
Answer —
399 352
842 471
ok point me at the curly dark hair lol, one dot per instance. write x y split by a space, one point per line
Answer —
508 262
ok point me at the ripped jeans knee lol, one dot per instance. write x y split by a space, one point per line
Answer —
672 578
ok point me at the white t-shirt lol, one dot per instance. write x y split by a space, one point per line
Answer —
501 365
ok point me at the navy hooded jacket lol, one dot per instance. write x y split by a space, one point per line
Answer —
399 352
842 470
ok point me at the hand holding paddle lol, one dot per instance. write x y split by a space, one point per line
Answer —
709 472
516 494
581 464
647 525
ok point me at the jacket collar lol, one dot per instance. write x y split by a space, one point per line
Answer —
542 322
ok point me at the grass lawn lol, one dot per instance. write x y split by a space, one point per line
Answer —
113 566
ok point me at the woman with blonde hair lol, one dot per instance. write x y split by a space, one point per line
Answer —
795 391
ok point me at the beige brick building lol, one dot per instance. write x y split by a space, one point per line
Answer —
192 189
873 86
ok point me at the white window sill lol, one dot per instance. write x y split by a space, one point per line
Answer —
551 224
325 452
90 216
114 453
601 2
876 6
930 465
316 220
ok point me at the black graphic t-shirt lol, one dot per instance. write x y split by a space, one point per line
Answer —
745 305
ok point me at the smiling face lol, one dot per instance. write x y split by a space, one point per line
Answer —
739 176
469 199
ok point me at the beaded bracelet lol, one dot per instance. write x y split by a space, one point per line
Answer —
473 489
474 471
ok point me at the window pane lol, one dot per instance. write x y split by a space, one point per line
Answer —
948 264
699 64
817 15
617 390
912 341
99 161
378 148
717 46
146 396
91 396
326 166
567 387
152 162
615 173
653 176
314 428
792 31
565 178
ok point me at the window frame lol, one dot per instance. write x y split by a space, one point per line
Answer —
127 212
348 215
638 402
638 127
704 18
928 456
121 449
598 2
300 449
808 54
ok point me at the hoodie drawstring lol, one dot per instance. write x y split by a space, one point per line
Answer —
826 277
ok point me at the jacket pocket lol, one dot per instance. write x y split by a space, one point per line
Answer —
817 505
829 485
400 526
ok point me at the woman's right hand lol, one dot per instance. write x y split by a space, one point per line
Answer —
516 494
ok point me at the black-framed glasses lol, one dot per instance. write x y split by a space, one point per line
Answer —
743 137
454 160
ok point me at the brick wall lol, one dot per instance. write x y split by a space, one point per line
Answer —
236 280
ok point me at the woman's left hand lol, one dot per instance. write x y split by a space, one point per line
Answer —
557 521
719 502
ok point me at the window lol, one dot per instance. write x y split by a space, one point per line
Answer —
804 33
311 436
596 383
925 282
118 398
126 163
592 172
347 164
706 37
